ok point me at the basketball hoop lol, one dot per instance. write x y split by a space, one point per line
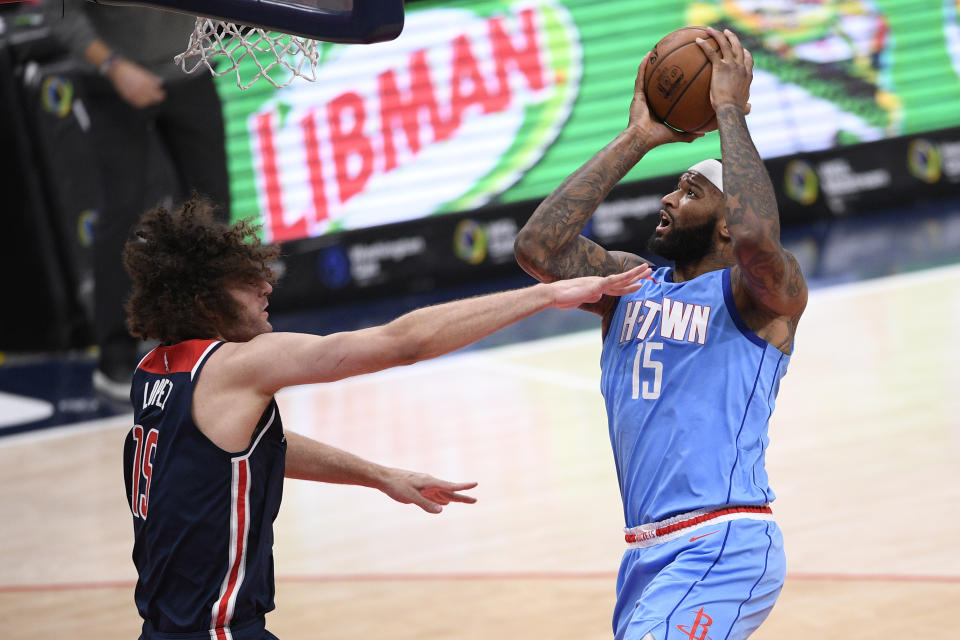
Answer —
276 40
250 52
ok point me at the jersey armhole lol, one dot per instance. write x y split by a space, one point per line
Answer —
194 379
213 346
731 305
264 422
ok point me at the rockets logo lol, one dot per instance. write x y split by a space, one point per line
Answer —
698 630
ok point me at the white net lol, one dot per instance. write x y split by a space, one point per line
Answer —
250 52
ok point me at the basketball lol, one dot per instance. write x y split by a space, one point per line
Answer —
676 81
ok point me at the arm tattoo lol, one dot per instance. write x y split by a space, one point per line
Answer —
550 246
770 274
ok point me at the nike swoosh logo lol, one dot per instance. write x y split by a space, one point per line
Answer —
695 538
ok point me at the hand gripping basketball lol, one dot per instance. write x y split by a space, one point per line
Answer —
642 116
732 70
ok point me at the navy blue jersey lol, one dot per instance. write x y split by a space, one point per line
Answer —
689 391
202 517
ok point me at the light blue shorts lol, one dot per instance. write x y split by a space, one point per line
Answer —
716 582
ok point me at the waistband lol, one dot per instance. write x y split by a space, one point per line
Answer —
250 630
654 533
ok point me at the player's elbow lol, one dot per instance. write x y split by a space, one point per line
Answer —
794 300
524 246
404 344
413 350
528 249
748 242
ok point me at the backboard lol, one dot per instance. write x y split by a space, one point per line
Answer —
343 21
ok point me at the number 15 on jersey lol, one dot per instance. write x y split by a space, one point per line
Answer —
647 371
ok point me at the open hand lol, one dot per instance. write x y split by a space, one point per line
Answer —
642 119
425 491
577 291
732 70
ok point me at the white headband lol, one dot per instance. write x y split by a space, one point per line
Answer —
712 170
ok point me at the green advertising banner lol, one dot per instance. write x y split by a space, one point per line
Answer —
486 103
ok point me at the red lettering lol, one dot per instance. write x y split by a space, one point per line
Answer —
347 144
466 84
276 226
393 107
137 435
526 60
148 448
142 467
406 107
312 146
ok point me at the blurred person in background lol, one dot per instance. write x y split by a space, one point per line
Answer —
135 94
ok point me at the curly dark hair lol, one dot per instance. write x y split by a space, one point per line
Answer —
181 263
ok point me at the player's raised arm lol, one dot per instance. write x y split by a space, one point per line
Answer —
549 246
770 274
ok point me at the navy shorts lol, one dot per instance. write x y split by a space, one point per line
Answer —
716 581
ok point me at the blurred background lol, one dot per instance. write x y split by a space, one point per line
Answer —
408 166
402 175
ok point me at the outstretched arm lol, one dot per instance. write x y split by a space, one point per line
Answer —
768 273
549 246
272 361
308 459
239 379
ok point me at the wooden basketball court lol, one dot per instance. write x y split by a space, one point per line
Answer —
864 454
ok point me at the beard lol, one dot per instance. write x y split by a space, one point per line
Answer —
684 245
241 324
247 329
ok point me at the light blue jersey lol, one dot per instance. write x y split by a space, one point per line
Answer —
689 390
